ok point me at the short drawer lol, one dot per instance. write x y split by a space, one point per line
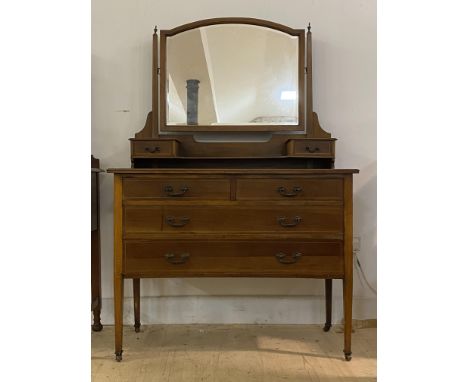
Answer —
310 147
177 188
229 218
290 189
166 258
155 148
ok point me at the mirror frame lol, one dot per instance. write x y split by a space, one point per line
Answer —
163 127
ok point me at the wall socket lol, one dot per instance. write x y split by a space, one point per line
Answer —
356 243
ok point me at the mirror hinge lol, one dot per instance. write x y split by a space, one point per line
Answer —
305 70
158 70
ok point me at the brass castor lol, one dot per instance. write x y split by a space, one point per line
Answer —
348 356
327 327
97 327
118 356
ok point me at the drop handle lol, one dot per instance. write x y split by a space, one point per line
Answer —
177 222
153 150
314 150
169 190
283 221
177 259
288 259
296 190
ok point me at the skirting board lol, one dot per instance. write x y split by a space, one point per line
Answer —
237 310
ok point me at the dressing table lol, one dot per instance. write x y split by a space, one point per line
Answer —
232 174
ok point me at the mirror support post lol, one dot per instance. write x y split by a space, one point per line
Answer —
309 100
155 90
313 128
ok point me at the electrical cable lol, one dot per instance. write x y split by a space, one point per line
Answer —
361 274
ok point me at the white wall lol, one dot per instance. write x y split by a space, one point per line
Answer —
344 70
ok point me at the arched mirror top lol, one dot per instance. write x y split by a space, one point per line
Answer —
233 20
232 74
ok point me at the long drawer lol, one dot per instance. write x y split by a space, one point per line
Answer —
177 188
233 218
287 188
170 258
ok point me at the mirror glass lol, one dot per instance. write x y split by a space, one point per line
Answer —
232 74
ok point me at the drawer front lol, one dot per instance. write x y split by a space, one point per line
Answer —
238 258
155 148
178 189
225 218
142 220
290 189
309 147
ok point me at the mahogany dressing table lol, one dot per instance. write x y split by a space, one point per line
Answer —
263 198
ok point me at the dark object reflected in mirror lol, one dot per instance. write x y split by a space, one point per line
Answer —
192 102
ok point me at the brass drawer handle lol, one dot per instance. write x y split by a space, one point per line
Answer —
169 190
153 150
285 259
177 222
314 150
284 223
174 259
295 191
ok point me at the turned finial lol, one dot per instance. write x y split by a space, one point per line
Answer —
308 27
155 29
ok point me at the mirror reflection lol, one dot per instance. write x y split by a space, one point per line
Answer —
232 74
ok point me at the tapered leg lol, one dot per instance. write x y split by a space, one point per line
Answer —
328 304
118 267
118 312
348 265
96 280
136 303
348 316
97 326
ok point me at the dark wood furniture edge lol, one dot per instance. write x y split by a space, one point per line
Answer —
118 267
147 131
317 131
155 84
232 20
136 303
160 138
213 171
328 304
348 266
94 162
96 296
